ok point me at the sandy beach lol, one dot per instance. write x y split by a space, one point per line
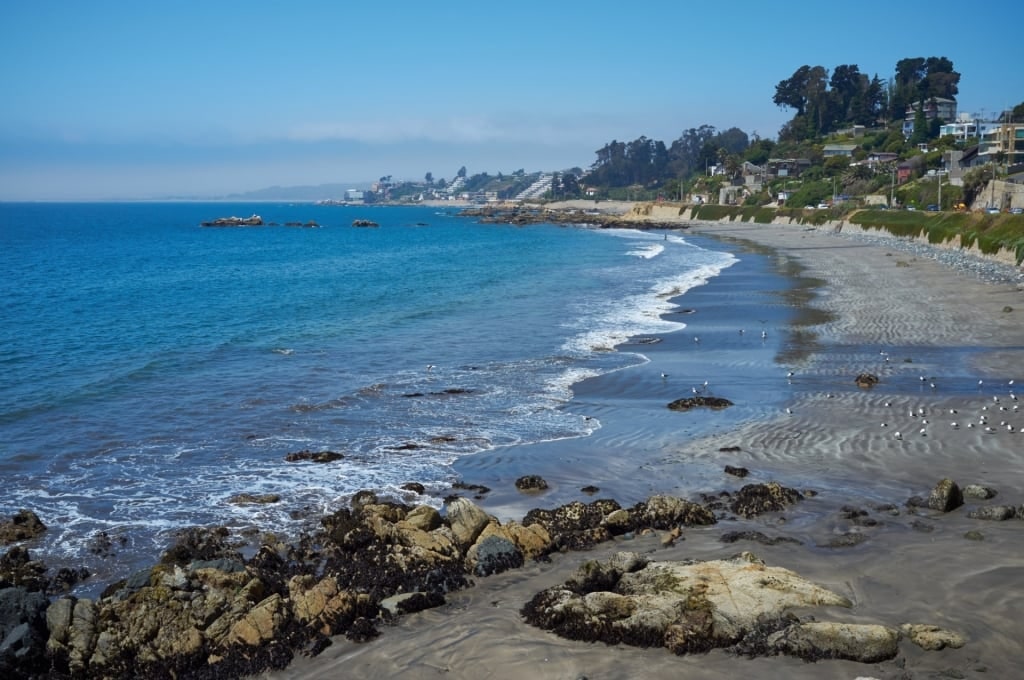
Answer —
945 346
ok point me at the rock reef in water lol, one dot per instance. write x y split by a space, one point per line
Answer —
254 221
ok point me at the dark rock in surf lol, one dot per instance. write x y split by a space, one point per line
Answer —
314 456
254 498
736 471
687 403
755 499
531 483
24 525
866 380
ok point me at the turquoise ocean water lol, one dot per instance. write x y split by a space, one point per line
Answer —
151 368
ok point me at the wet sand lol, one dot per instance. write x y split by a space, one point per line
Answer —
914 566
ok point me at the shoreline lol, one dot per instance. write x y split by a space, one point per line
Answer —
952 328
913 564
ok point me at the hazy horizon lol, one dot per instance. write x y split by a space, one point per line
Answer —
130 101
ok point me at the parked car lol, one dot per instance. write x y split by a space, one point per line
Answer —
1017 211
932 208
992 211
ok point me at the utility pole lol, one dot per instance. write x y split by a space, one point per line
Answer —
892 190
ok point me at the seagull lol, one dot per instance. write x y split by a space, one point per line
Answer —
885 424
888 403
956 425
952 411
664 375
789 411
431 367
990 430
696 339
694 390
1009 428
1010 383
898 436
1013 396
924 432
790 374
764 334
970 425
923 378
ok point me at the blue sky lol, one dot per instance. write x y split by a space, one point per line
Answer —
113 99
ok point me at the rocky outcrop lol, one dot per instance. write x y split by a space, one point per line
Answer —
207 610
254 221
740 604
24 525
364 223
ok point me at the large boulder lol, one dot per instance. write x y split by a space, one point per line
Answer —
946 496
467 520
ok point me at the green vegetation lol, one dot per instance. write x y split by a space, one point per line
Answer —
990 233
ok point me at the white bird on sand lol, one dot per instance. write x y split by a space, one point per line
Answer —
923 431
764 334
897 435
970 425
885 424
956 425
790 374
789 411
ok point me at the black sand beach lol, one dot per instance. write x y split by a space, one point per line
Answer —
857 536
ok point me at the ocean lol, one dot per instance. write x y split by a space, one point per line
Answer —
151 368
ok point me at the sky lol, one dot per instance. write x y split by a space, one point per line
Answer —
113 99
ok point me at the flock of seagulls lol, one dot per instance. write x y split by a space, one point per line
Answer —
992 418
